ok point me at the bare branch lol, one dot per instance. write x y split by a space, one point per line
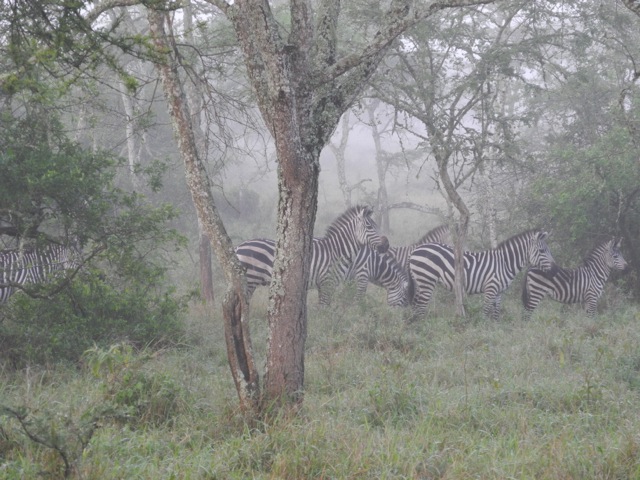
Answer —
399 18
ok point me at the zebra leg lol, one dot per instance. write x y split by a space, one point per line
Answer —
530 299
592 304
421 298
326 289
361 282
491 305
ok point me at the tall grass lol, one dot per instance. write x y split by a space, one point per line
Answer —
557 397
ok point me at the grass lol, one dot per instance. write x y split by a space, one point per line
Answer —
556 398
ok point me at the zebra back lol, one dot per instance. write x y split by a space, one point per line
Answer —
573 285
440 234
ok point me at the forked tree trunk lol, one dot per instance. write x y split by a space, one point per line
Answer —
459 234
234 306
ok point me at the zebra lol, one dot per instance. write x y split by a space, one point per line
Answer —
352 229
489 272
574 285
383 266
23 267
381 269
439 234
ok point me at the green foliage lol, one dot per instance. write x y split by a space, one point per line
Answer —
584 194
50 187
64 435
94 310
140 397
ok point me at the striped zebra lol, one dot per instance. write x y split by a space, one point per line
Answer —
574 285
381 269
346 234
489 272
24 267
383 266
439 234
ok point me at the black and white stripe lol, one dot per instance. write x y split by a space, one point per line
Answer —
489 272
384 266
439 234
351 230
23 267
382 270
578 285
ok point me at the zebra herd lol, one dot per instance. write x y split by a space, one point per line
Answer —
354 249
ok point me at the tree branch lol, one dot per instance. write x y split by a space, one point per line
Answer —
399 18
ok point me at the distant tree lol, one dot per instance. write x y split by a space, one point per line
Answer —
441 80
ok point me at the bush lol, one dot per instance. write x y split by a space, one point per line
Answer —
91 312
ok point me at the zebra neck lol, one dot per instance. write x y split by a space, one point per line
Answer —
337 247
599 271
402 254
512 261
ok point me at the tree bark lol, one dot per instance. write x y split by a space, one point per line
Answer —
235 306
194 93
459 233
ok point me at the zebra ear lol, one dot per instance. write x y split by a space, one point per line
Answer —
543 235
617 242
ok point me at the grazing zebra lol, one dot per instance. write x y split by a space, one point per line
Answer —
574 285
366 270
489 272
381 269
351 230
23 267
439 234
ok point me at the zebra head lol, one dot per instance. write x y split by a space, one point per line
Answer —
392 277
614 258
398 292
539 253
366 230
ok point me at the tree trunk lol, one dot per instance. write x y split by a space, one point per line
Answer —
381 167
459 233
194 93
234 306
338 152
206 273
281 78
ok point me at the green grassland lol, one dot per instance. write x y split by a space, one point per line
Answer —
554 398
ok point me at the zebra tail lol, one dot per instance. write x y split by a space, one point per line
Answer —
411 290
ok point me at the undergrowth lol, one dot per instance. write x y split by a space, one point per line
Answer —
555 397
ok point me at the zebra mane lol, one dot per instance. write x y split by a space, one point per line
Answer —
435 235
522 235
597 251
346 216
